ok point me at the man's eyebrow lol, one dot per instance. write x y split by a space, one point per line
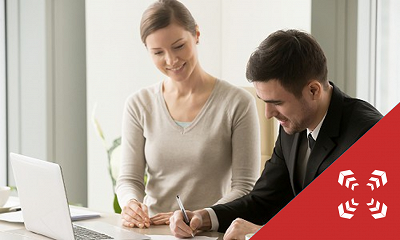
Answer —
269 101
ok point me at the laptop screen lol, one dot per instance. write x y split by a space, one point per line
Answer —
42 196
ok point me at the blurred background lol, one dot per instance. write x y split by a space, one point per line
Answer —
64 62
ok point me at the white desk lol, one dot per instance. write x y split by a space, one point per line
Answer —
110 218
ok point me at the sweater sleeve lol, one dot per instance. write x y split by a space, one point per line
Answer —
130 183
246 153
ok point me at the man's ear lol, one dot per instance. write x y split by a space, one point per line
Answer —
315 89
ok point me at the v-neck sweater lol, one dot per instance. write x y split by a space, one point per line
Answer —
215 159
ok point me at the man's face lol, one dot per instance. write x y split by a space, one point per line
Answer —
293 114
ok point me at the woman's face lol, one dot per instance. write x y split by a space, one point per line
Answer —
173 50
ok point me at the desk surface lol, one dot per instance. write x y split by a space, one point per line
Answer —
111 218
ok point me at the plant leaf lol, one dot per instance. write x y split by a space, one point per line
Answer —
117 208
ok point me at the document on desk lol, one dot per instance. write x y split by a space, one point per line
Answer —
11 206
167 237
76 214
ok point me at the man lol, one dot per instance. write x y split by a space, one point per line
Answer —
318 123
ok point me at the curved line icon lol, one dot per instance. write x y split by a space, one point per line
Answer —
371 185
379 176
382 214
347 175
377 180
349 180
383 211
376 208
372 202
354 185
343 174
343 213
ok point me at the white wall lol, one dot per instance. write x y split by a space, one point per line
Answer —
245 25
118 64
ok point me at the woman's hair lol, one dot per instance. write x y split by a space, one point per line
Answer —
164 12
291 57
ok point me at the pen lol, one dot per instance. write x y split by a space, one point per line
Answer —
15 209
11 209
185 217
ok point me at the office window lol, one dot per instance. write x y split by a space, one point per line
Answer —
3 137
387 55
378 53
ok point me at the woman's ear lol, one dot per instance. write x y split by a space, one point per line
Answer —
197 34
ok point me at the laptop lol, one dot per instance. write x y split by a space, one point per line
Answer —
44 203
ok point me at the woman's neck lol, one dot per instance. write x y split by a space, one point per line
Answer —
197 83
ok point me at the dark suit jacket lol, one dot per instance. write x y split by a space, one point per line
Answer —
346 121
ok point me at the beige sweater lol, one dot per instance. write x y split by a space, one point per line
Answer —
215 159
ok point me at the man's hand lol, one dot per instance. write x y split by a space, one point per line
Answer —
135 214
239 228
180 229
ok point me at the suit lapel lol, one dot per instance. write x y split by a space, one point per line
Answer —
317 156
293 158
330 129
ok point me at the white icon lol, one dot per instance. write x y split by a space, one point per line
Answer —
381 214
349 208
375 180
378 179
345 175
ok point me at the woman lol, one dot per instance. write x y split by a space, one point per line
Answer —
194 135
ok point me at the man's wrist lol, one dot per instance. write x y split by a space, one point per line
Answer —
206 220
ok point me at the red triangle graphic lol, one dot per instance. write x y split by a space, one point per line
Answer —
314 213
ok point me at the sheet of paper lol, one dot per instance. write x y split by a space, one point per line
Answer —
9 209
167 237
12 202
15 217
81 214
76 214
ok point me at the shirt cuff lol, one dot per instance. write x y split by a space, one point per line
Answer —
213 218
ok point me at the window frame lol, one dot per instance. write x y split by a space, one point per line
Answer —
3 98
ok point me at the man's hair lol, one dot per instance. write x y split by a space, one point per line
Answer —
164 12
291 57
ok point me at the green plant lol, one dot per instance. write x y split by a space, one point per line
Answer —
113 158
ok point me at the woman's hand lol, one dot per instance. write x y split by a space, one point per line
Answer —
135 214
161 218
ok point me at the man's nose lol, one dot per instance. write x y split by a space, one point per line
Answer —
270 110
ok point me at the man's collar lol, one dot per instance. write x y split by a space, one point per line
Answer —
315 132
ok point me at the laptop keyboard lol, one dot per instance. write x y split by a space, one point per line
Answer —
82 233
